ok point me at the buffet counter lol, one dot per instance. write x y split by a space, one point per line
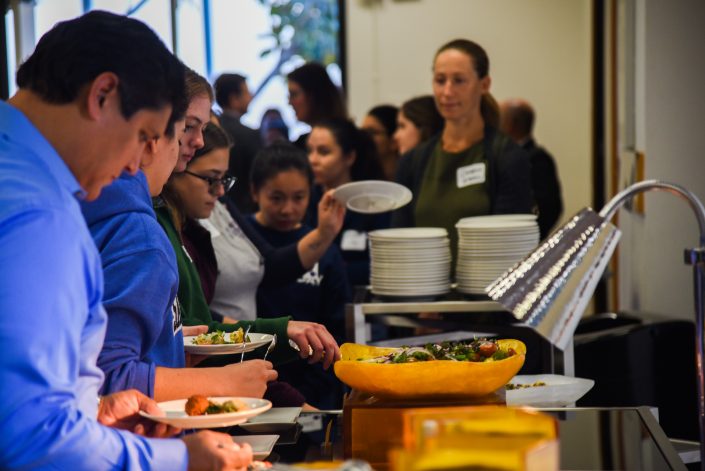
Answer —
589 439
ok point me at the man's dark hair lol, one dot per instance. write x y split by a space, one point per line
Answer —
75 52
226 85
522 118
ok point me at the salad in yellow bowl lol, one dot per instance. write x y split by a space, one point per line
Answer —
445 370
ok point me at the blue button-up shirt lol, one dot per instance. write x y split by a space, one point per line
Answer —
52 323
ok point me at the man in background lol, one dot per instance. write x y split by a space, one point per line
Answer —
517 121
94 93
233 96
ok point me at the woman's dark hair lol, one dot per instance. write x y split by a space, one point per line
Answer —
75 52
277 158
351 139
489 109
324 99
422 111
214 137
387 115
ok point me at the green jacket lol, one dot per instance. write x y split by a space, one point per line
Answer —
195 310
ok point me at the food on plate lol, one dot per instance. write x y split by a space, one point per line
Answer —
201 405
443 370
220 338
512 386
478 350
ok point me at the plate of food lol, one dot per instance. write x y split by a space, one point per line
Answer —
373 196
224 343
546 390
209 412
438 370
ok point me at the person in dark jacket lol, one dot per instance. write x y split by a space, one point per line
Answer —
233 96
517 121
281 183
470 168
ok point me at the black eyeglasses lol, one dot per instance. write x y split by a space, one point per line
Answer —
213 183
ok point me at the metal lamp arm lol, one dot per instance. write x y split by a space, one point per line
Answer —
609 210
694 257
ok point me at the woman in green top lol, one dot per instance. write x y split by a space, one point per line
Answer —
469 169
314 340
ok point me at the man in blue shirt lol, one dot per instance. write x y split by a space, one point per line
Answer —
96 90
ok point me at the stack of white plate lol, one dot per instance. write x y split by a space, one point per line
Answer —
489 245
410 262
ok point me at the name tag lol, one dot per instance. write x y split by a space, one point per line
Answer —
354 240
470 175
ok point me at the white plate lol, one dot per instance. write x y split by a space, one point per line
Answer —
409 233
262 445
500 217
256 340
559 391
176 416
372 196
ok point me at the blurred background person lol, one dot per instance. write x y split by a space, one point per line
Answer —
341 153
517 121
273 128
417 121
314 97
381 123
470 168
233 96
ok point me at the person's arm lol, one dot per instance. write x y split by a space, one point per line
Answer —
50 331
139 289
246 379
312 246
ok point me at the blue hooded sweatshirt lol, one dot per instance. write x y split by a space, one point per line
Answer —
141 282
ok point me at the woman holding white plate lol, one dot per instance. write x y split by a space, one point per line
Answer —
341 153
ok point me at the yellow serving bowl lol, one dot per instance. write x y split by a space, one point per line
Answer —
426 379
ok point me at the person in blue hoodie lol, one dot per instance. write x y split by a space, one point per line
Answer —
144 346
281 184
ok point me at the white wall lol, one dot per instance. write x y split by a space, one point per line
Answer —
670 129
539 50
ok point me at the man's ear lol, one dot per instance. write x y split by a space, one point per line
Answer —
102 92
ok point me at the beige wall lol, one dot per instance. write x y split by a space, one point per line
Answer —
539 50
670 76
